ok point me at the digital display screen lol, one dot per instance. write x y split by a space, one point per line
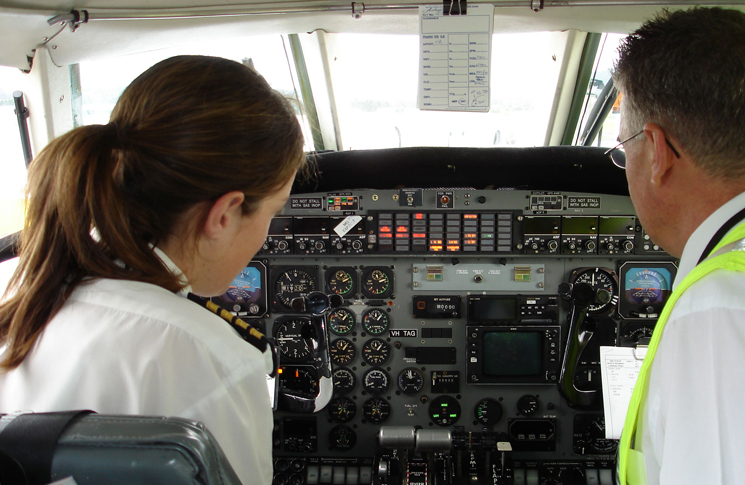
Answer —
280 226
542 225
579 225
493 309
617 225
311 225
512 354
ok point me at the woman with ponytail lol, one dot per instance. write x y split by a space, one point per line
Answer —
173 196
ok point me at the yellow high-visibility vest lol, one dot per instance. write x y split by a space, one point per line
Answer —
729 254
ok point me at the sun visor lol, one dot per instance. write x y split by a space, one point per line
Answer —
112 38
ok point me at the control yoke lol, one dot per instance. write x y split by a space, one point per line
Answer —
581 295
317 305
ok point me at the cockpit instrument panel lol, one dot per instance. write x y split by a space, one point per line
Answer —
448 348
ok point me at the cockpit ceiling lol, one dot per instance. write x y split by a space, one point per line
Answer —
143 25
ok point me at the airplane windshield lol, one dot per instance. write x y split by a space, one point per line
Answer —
375 86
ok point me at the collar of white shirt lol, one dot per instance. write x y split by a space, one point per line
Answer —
703 234
175 270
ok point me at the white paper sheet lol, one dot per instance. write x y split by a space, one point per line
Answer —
455 58
619 368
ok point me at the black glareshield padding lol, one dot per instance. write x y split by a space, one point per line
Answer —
559 168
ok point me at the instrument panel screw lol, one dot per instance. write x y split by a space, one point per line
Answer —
375 197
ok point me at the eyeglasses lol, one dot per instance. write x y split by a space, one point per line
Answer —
617 154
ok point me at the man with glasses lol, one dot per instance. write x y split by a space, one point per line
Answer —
683 129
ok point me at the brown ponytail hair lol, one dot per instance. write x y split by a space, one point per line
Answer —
187 130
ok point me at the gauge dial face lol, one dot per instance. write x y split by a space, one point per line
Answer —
344 381
376 351
376 321
602 281
340 281
341 321
246 287
488 412
376 410
594 437
291 336
410 381
636 334
298 381
376 381
647 286
292 284
342 409
527 405
342 438
377 282
444 410
342 351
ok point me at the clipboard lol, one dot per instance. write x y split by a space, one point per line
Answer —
619 369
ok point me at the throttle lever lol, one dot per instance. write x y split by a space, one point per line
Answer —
582 295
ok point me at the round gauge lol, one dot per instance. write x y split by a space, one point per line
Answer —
341 321
340 281
246 287
647 286
377 282
444 410
342 351
603 282
636 334
342 409
410 381
375 381
342 438
527 405
344 381
292 284
375 321
298 381
291 336
488 412
376 351
594 438
376 410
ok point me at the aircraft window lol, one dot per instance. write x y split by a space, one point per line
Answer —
375 80
12 165
603 66
102 81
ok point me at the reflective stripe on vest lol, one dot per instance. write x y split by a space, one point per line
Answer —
729 254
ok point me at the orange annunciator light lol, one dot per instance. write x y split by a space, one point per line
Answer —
419 216
470 216
402 229
384 229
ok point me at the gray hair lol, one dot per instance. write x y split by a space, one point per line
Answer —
685 71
